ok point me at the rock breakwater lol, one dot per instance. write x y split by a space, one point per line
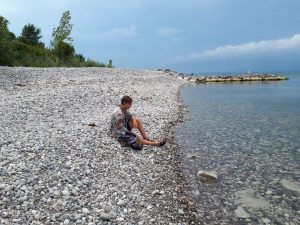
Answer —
225 78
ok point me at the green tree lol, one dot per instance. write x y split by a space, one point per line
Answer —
6 43
64 51
109 65
63 31
80 57
31 35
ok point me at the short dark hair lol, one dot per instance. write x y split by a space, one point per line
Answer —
126 99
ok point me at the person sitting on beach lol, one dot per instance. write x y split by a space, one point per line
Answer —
122 123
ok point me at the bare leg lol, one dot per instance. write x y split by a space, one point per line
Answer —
145 142
137 123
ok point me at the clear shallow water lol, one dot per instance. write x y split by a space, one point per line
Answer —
249 133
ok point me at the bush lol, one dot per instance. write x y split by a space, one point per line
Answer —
36 56
92 63
109 65
64 51
6 44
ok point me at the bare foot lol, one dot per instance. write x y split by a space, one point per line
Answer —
163 142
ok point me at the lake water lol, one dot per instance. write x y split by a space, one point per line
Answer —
249 134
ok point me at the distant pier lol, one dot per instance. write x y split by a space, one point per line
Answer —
226 78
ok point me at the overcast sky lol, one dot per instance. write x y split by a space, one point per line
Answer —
184 35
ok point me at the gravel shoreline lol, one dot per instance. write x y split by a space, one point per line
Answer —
57 169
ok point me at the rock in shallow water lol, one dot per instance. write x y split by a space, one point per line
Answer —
291 186
207 176
250 201
241 213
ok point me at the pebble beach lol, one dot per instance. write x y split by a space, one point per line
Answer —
58 165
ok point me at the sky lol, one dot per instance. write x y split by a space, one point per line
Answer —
183 35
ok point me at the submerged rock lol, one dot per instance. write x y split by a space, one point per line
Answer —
192 157
207 176
291 187
248 200
241 213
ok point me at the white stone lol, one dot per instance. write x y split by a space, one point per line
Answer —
149 207
241 213
105 216
269 192
156 192
207 174
266 220
85 210
66 192
121 203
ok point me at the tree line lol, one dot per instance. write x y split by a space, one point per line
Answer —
28 50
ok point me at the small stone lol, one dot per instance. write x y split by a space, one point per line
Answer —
66 192
66 222
207 176
24 188
156 192
241 213
85 210
192 157
266 221
5 214
180 211
120 219
106 216
149 207
121 203
269 192
37 216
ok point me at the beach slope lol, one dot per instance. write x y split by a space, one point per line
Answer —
59 166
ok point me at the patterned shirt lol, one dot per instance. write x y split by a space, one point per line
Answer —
118 123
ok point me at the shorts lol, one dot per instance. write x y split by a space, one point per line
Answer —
130 140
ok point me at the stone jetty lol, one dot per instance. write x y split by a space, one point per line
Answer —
226 78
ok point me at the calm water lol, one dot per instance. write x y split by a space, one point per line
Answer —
249 133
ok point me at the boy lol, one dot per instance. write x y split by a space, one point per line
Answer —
122 123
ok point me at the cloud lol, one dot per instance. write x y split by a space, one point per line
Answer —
251 48
168 31
122 32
